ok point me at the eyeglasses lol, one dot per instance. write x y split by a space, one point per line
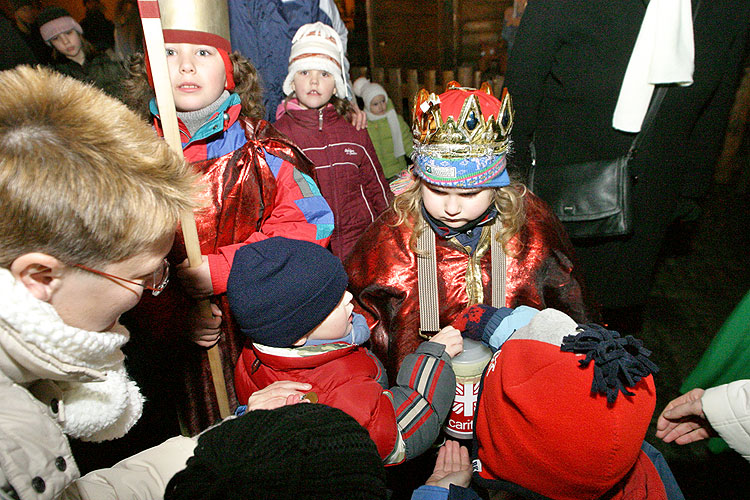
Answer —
156 282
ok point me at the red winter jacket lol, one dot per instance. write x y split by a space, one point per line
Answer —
402 421
346 169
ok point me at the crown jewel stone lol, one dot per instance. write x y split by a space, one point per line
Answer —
472 121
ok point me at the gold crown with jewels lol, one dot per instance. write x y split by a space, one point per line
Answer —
476 123
196 21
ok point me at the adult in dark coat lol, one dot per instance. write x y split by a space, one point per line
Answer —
15 51
99 30
565 74
25 13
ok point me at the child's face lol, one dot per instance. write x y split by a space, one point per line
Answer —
378 105
197 73
455 207
337 324
67 43
313 88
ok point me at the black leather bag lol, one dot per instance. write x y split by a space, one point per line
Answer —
592 199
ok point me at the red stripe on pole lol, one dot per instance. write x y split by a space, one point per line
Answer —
149 9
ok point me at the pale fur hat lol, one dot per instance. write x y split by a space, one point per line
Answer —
359 84
317 46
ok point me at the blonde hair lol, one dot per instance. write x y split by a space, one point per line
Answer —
82 178
138 92
508 201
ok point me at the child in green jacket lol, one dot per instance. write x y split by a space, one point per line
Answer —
388 131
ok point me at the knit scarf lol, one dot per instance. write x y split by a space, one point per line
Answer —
398 141
93 411
194 120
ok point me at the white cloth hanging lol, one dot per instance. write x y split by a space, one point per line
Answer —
663 53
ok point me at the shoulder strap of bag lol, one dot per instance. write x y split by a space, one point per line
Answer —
429 312
648 120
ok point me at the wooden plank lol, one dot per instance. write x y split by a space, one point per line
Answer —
430 82
412 85
466 76
394 90
448 76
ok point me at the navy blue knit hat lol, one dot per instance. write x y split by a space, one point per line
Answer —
280 289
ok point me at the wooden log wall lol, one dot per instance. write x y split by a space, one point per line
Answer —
402 84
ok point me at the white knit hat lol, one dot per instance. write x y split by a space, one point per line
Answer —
359 84
317 46
370 92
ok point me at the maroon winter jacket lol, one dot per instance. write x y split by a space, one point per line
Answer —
347 170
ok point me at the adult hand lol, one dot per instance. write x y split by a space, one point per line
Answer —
278 394
451 338
683 420
205 331
196 280
451 467
357 117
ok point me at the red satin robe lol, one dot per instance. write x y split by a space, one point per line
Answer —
383 278
239 199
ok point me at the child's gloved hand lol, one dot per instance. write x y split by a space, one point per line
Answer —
473 320
451 339
491 325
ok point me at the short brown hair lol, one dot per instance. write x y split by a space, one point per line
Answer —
82 178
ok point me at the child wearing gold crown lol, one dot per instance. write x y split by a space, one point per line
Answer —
253 188
462 234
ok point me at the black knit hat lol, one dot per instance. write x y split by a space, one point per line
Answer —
297 452
51 13
280 289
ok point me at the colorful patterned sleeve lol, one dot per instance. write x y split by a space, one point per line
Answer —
300 212
422 399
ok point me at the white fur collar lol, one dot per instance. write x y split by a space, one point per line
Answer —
93 411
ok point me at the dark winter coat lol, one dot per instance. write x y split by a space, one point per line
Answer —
565 74
99 70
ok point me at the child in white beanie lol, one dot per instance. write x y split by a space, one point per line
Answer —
388 131
313 116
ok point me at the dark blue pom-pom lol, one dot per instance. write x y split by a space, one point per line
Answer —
619 363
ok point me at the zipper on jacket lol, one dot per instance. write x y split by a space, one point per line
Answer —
320 120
